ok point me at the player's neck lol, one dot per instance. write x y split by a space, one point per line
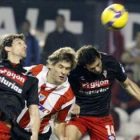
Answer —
14 59
49 78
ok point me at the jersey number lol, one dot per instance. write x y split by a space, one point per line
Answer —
110 131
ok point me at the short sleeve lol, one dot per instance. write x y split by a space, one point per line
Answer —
64 114
32 93
120 72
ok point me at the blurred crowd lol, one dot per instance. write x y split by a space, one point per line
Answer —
58 38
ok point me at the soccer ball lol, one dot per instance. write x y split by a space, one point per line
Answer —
114 17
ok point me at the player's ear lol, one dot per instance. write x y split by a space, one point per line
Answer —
50 65
7 49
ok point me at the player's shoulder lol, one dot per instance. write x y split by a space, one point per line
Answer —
78 72
36 69
108 58
66 91
109 61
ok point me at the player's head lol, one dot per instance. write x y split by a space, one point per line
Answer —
13 47
89 57
60 63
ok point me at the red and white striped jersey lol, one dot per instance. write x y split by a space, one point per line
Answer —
53 99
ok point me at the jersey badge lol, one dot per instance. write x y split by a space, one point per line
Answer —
105 73
41 97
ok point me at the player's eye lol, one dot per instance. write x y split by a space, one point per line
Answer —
60 66
68 68
19 43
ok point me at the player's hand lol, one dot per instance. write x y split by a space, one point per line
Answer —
34 137
76 110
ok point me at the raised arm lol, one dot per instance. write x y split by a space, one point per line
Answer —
131 88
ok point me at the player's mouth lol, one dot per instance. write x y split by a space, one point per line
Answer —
62 78
24 50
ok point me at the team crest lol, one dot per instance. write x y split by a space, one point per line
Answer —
105 73
41 97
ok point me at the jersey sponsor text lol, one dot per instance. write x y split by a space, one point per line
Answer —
10 84
95 84
12 75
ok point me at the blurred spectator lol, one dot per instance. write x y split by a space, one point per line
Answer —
123 115
130 131
33 49
131 59
60 37
137 138
135 116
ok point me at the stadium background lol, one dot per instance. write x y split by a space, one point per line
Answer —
82 18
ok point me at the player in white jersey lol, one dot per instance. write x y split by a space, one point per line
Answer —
55 95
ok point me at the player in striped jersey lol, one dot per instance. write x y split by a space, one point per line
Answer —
55 94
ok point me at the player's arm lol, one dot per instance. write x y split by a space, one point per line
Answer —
76 110
59 129
64 115
34 121
131 88
60 122
128 58
32 104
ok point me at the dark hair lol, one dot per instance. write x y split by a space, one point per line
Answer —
86 55
7 41
66 53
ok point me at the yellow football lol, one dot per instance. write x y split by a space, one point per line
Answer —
114 17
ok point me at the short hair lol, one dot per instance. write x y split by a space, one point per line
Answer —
86 55
7 41
63 54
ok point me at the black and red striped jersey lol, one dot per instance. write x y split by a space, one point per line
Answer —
16 86
93 91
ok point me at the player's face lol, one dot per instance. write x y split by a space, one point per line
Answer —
95 67
60 71
19 48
